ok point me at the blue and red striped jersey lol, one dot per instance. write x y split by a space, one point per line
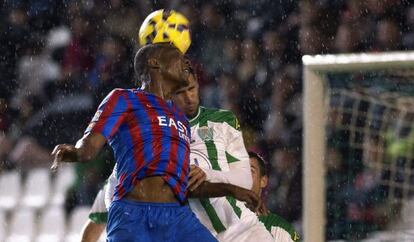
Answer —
149 137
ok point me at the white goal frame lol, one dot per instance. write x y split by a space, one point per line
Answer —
314 113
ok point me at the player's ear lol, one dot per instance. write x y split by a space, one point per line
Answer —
264 180
153 63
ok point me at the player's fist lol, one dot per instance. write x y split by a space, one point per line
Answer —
63 153
196 177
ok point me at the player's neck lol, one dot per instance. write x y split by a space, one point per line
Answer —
155 85
162 91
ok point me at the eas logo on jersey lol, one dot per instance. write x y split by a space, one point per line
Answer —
169 122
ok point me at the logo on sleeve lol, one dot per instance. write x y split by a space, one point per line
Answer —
96 116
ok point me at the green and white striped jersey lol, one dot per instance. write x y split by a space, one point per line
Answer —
217 145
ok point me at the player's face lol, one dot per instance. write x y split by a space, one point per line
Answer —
175 68
259 181
254 167
187 98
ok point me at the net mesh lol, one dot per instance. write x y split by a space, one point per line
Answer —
370 153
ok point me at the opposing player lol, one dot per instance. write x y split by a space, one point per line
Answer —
150 138
281 230
217 148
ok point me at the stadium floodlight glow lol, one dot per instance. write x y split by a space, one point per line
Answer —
315 75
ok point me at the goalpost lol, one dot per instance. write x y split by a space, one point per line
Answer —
316 71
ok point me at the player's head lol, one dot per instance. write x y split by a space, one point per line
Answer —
164 63
187 98
259 172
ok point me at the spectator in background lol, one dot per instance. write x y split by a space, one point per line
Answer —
229 90
210 38
79 55
279 125
286 183
388 36
110 69
273 47
35 70
311 40
408 38
336 182
231 51
14 35
346 39
122 18
249 73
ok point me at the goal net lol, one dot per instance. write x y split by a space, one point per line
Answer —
359 147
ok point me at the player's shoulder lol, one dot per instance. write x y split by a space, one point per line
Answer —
122 92
274 220
219 116
118 92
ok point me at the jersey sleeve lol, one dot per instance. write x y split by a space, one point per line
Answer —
239 173
110 114
235 148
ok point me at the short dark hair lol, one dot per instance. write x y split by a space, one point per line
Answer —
144 53
263 165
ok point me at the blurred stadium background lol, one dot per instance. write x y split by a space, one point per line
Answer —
59 58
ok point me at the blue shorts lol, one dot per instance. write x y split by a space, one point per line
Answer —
130 221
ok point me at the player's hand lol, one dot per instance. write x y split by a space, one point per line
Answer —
262 209
251 199
196 177
63 153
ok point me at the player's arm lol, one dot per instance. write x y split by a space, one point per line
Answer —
239 172
103 125
84 150
208 190
92 231
198 187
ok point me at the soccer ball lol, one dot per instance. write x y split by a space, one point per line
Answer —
164 26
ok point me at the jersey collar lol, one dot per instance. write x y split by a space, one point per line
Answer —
194 120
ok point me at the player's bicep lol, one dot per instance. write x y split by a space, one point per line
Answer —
89 146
